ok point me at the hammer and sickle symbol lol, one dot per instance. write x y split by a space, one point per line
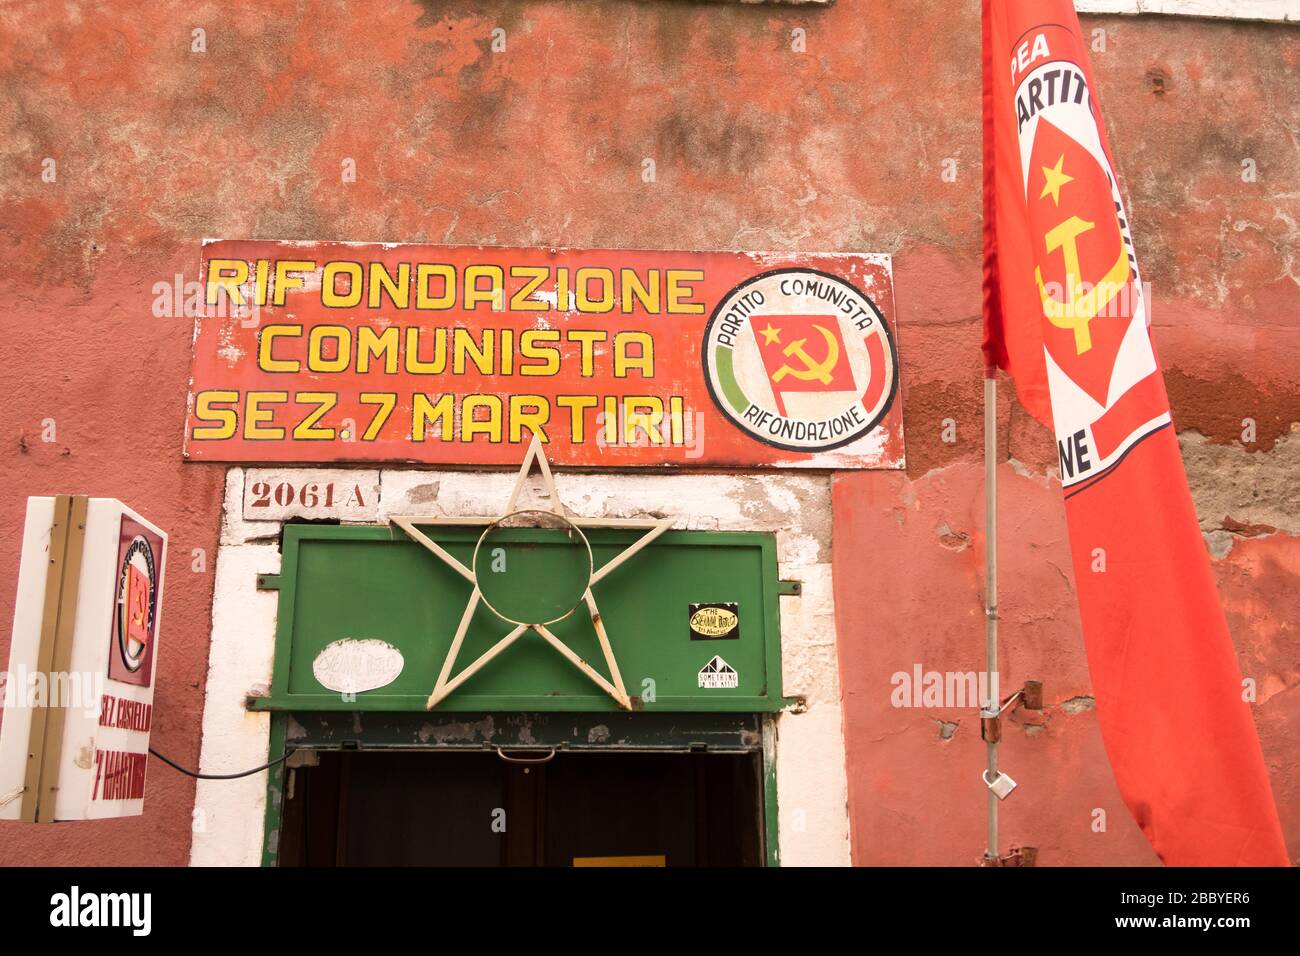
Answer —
137 607
812 369
1081 305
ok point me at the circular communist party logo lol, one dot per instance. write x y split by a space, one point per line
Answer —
137 595
800 359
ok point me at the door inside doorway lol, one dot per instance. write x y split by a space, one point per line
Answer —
440 808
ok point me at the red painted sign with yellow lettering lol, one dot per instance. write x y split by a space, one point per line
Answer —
333 352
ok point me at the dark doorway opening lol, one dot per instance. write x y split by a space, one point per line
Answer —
438 808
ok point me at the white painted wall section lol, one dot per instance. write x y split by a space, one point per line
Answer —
229 814
1274 10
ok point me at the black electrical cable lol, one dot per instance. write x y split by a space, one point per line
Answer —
219 776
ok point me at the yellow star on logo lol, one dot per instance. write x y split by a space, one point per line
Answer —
770 334
1054 179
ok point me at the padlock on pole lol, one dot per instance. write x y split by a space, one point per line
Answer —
1001 785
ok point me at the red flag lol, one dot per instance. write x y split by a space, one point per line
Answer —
803 353
1065 314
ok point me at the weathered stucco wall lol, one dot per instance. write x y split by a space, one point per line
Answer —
1219 249
756 146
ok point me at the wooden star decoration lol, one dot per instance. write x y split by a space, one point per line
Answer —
447 683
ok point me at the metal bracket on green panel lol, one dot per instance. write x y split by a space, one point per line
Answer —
524 731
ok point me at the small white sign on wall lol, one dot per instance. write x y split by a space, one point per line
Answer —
354 666
343 494
78 699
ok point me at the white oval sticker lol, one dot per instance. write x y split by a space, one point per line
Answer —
353 666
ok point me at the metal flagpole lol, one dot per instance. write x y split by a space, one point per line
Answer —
992 705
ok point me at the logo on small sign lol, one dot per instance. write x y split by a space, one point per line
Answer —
135 622
718 674
714 622
801 360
